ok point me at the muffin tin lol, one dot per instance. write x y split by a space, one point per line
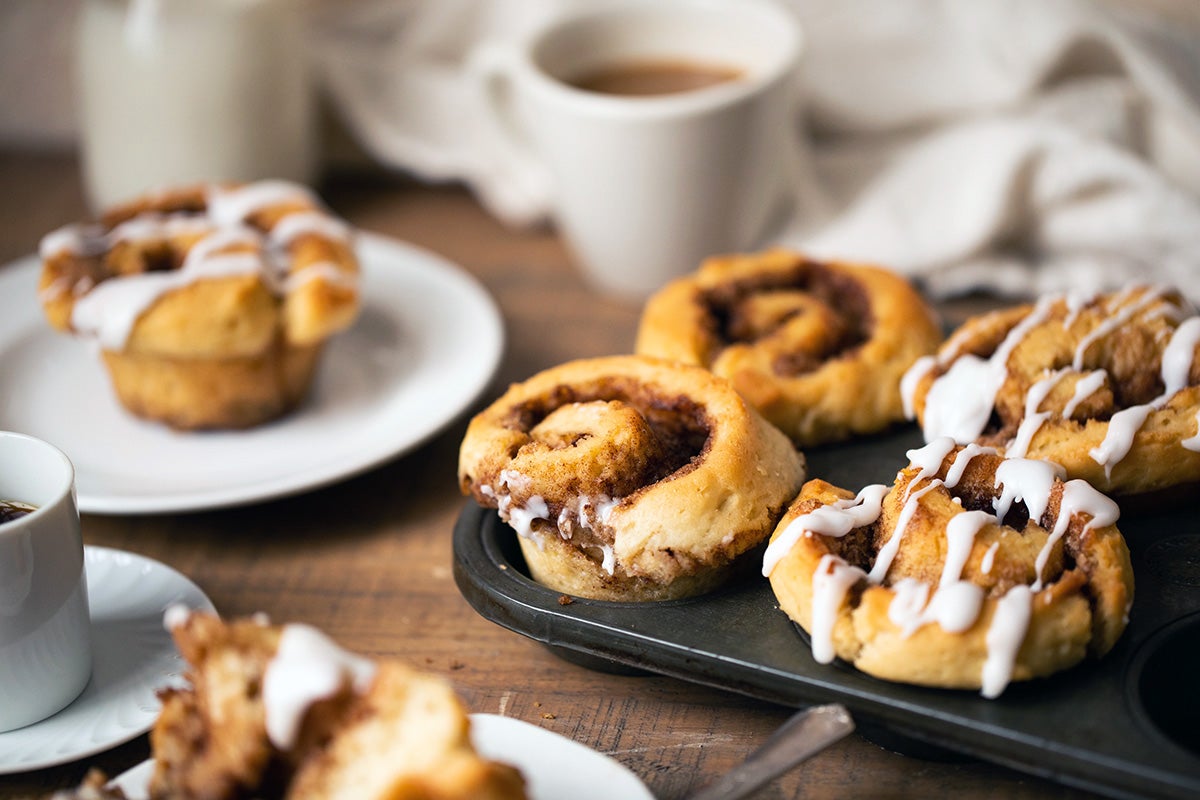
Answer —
1125 726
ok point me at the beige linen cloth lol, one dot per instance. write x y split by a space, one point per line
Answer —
1019 146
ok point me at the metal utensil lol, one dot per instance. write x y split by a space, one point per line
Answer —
807 733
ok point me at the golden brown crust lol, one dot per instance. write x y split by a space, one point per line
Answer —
1100 358
236 392
629 477
295 286
818 348
1079 607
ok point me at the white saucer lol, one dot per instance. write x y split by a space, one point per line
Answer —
425 347
133 657
554 767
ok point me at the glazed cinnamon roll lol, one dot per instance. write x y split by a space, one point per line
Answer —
628 477
283 711
210 304
970 571
818 347
1106 386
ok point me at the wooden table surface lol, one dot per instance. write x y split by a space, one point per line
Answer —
369 559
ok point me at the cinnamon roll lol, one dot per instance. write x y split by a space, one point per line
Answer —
283 711
1107 386
210 304
818 347
628 477
970 571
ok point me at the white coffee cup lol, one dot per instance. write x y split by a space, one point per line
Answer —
645 187
177 91
45 627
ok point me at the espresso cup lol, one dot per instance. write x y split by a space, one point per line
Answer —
45 627
644 186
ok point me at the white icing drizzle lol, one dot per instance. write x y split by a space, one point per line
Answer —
1075 302
325 271
590 513
1085 387
956 603
960 538
929 460
57 288
989 558
923 366
1078 496
1193 442
954 606
77 239
1033 419
1118 438
836 519
176 615
1178 356
969 451
233 206
910 599
960 402
1124 314
887 553
1175 369
832 580
300 223
111 309
908 383
519 518
1026 480
1004 637
307 667
1167 311
609 561
160 226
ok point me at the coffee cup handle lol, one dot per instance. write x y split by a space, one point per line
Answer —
526 184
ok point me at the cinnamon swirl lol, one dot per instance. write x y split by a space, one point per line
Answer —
210 304
628 477
970 571
818 347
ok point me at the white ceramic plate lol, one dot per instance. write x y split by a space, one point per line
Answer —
133 657
425 347
554 767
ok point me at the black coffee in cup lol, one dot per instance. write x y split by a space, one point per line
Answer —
13 509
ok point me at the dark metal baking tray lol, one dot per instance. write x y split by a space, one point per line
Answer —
1125 726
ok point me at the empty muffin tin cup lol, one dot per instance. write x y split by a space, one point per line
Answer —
1164 680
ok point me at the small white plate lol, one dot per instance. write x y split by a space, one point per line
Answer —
554 767
425 346
133 656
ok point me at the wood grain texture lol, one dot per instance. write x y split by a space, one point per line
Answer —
369 559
